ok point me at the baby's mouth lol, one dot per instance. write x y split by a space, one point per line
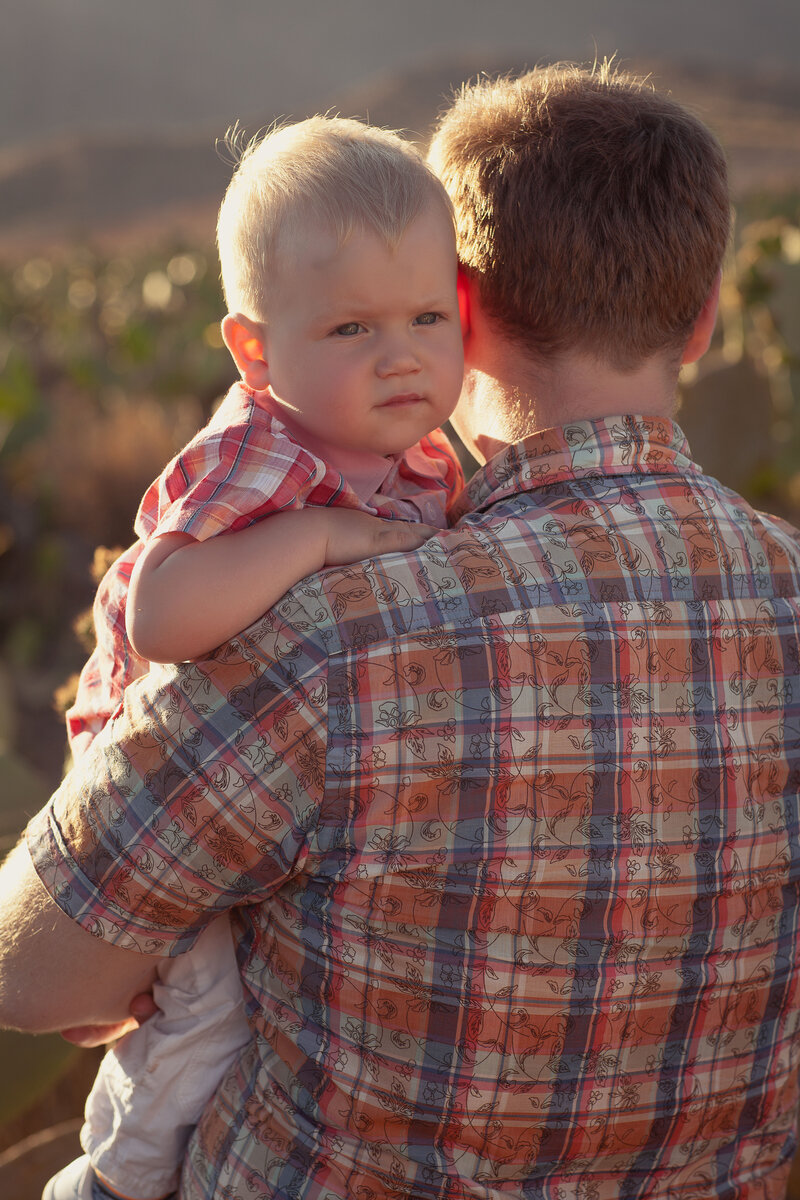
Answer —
402 399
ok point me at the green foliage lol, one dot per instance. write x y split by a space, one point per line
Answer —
770 250
759 330
31 1065
22 790
146 325
22 793
107 366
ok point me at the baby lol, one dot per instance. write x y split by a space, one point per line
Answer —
339 269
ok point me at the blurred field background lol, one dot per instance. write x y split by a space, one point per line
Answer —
110 359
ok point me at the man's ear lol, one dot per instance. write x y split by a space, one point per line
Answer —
246 340
463 290
700 337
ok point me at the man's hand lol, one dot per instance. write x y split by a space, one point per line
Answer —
143 1007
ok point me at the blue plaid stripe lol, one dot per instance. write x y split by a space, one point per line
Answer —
510 831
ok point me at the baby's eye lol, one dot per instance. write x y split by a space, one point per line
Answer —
428 318
350 329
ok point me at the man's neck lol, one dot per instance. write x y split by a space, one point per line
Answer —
510 396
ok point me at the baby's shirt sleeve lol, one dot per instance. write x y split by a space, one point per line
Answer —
232 473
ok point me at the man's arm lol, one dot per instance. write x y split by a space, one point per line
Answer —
54 974
150 836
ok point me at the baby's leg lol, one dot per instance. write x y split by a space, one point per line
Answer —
151 1089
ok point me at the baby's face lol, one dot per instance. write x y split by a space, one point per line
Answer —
362 342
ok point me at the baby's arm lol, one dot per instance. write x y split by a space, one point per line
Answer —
187 597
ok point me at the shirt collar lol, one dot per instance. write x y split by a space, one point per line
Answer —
620 445
364 472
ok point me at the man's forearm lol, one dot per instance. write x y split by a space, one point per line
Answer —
52 972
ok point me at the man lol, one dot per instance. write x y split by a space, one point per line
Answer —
508 827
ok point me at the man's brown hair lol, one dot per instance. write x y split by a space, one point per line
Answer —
593 211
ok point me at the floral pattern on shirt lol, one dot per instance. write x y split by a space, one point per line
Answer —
510 830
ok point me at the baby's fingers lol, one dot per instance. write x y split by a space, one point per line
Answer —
393 536
351 536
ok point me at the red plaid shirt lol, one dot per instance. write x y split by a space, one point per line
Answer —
242 466
510 832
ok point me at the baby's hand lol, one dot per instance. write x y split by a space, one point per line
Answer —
353 535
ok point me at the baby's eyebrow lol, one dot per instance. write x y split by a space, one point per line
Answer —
347 309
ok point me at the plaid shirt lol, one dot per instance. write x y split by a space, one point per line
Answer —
242 466
510 830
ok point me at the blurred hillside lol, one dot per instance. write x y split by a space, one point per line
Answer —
134 187
100 66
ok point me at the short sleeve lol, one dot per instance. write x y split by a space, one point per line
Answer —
241 467
193 799
113 663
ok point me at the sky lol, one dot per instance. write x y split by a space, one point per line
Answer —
72 67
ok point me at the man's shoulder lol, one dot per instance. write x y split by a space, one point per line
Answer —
771 540
345 609
534 551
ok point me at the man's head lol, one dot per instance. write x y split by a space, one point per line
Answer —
592 212
325 172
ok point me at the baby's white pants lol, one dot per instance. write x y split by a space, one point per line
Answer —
152 1087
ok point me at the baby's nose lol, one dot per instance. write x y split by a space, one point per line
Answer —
397 357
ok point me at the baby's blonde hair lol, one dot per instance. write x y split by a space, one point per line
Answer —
338 172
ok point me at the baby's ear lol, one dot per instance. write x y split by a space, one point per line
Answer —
246 340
